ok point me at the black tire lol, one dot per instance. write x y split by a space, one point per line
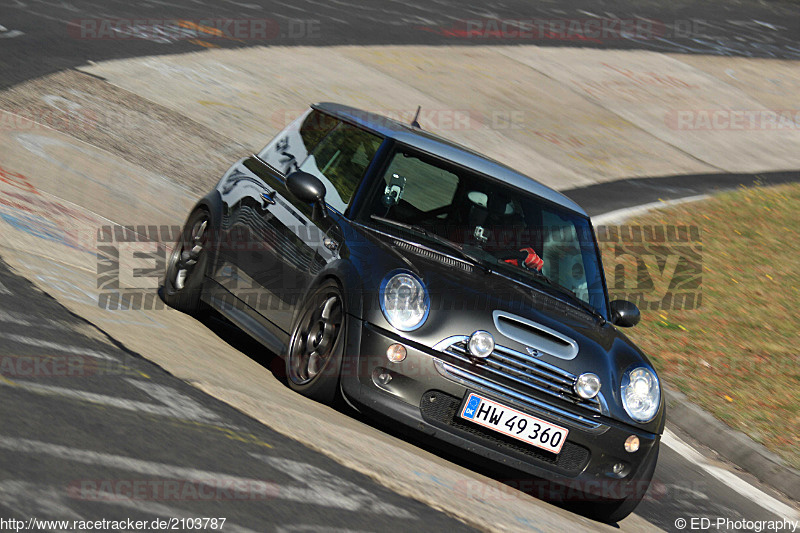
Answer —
187 264
316 347
612 512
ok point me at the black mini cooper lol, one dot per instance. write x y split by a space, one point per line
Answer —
423 282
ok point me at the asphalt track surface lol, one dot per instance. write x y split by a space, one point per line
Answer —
112 442
53 435
38 37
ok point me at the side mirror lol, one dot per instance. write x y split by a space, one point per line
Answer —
624 314
307 188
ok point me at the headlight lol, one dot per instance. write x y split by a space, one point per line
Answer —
404 301
641 394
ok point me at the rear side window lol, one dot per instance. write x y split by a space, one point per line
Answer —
287 151
340 161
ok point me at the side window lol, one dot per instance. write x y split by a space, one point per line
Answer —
287 151
340 161
416 187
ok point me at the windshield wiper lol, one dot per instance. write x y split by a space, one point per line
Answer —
450 245
576 299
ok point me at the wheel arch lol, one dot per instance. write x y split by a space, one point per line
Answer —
345 274
212 203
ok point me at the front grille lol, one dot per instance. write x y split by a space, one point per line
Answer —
441 409
523 372
480 384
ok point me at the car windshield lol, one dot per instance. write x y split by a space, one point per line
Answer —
514 233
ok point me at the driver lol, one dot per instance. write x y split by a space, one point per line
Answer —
527 258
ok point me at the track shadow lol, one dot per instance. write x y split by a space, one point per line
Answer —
241 341
625 193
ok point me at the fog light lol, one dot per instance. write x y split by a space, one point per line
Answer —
481 344
396 353
632 444
618 468
587 386
381 377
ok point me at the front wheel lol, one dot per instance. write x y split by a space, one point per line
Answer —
186 266
314 361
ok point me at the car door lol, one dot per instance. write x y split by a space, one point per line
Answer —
283 236
264 257
339 160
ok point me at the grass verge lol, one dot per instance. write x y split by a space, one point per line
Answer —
738 355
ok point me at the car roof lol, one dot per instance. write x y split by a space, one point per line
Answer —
446 149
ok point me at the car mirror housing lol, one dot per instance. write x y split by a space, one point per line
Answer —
307 188
624 313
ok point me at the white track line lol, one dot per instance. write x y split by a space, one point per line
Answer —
729 478
173 404
63 348
33 321
620 215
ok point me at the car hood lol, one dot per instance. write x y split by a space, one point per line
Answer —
523 317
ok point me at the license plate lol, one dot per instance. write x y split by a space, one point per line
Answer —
513 423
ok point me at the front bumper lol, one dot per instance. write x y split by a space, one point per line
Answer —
422 395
